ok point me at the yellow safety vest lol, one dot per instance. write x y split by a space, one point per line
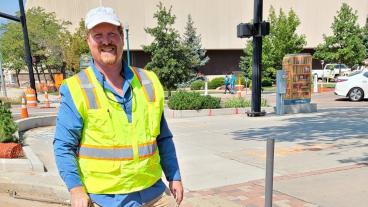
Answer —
115 156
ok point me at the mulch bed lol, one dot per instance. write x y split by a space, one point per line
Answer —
11 150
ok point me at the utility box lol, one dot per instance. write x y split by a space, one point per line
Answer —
298 78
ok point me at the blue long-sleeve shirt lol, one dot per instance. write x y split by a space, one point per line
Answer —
69 126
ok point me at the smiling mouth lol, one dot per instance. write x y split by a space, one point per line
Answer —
108 49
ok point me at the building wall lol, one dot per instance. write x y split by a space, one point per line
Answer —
221 61
215 20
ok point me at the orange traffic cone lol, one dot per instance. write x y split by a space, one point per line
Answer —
24 111
31 98
47 102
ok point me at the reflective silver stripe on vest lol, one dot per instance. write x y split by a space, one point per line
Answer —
88 89
147 150
147 84
101 153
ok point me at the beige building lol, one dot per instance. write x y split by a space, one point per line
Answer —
215 20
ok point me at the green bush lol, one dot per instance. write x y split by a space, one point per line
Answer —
192 101
237 102
7 125
266 82
209 102
216 82
197 85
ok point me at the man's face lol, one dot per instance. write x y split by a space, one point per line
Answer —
106 43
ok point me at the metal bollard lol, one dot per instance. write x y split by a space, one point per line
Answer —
269 172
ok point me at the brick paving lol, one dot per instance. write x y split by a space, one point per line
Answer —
251 194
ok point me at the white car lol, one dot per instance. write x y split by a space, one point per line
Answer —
354 86
332 71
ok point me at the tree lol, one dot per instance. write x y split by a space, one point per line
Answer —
46 34
346 43
365 37
193 41
170 59
74 46
45 38
282 40
11 47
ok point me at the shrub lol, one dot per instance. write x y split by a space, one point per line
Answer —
7 125
266 82
216 82
192 101
210 102
197 85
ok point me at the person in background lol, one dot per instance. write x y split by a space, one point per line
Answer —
112 141
232 82
227 84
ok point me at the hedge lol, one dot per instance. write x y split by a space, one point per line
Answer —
216 82
183 100
197 85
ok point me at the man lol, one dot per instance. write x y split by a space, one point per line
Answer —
112 141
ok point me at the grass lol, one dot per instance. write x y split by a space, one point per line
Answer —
241 103
269 89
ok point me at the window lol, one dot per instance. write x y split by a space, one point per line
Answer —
366 74
343 66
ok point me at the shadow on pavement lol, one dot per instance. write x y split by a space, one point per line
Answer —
343 129
347 100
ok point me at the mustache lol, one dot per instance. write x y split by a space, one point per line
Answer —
107 45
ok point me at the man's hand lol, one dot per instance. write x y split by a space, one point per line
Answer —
176 188
79 197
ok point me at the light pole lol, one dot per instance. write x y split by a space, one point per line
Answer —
3 88
258 29
127 42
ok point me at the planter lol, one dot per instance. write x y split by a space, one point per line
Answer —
11 150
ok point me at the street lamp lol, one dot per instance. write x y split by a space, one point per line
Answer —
126 26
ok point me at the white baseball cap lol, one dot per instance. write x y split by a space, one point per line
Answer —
101 15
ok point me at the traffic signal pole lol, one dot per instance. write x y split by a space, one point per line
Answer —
27 49
257 63
257 30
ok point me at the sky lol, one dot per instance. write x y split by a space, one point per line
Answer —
9 7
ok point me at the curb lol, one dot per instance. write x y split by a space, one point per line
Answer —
30 164
34 122
36 192
169 113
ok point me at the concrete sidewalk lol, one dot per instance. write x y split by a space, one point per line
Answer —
320 159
